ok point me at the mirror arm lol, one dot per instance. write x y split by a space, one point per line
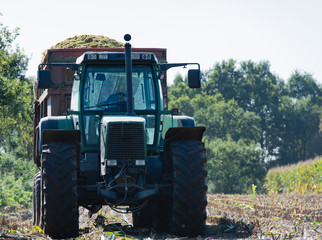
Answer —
166 66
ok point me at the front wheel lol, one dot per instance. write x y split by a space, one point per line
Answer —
189 199
59 198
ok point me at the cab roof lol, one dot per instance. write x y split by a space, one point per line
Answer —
100 57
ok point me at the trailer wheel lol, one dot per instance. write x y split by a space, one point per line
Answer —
189 200
59 198
36 199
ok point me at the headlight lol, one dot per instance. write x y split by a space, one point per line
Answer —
111 163
140 162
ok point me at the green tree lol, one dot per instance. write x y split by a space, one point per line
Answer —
12 61
180 96
261 92
234 166
227 120
300 132
224 78
256 90
16 96
302 85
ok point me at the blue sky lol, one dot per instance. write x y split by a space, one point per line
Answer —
287 33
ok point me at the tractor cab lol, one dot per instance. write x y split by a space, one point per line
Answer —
100 89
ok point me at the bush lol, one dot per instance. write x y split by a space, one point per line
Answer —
15 180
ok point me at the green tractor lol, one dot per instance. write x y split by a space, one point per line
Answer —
117 146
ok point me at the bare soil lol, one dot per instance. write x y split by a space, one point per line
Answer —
229 217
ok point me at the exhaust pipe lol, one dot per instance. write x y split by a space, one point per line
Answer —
128 71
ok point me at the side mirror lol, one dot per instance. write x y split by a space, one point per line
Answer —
43 79
194 78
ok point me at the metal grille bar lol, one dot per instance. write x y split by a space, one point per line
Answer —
125 141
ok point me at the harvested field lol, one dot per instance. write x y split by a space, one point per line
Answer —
229 217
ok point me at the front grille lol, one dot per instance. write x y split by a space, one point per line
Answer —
125 141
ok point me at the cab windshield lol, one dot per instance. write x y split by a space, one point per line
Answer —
105 89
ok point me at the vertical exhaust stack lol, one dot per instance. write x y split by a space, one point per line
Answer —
128 69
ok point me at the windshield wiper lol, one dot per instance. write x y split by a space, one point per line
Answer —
105 105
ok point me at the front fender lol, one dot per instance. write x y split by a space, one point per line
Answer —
184 133
180 134
53 123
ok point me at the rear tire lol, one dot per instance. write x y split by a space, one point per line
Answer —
189 199
59 190
36 198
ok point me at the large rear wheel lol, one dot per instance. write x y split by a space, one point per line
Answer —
59 198
36 198
189 199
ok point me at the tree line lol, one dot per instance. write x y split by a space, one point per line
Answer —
16 98
254 120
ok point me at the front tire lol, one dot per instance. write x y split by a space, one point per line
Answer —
59 190
189 197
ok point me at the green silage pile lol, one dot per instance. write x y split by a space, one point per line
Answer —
88 41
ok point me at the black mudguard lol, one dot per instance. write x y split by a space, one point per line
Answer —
53 135
182 133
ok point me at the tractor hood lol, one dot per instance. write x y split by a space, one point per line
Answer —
123 140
